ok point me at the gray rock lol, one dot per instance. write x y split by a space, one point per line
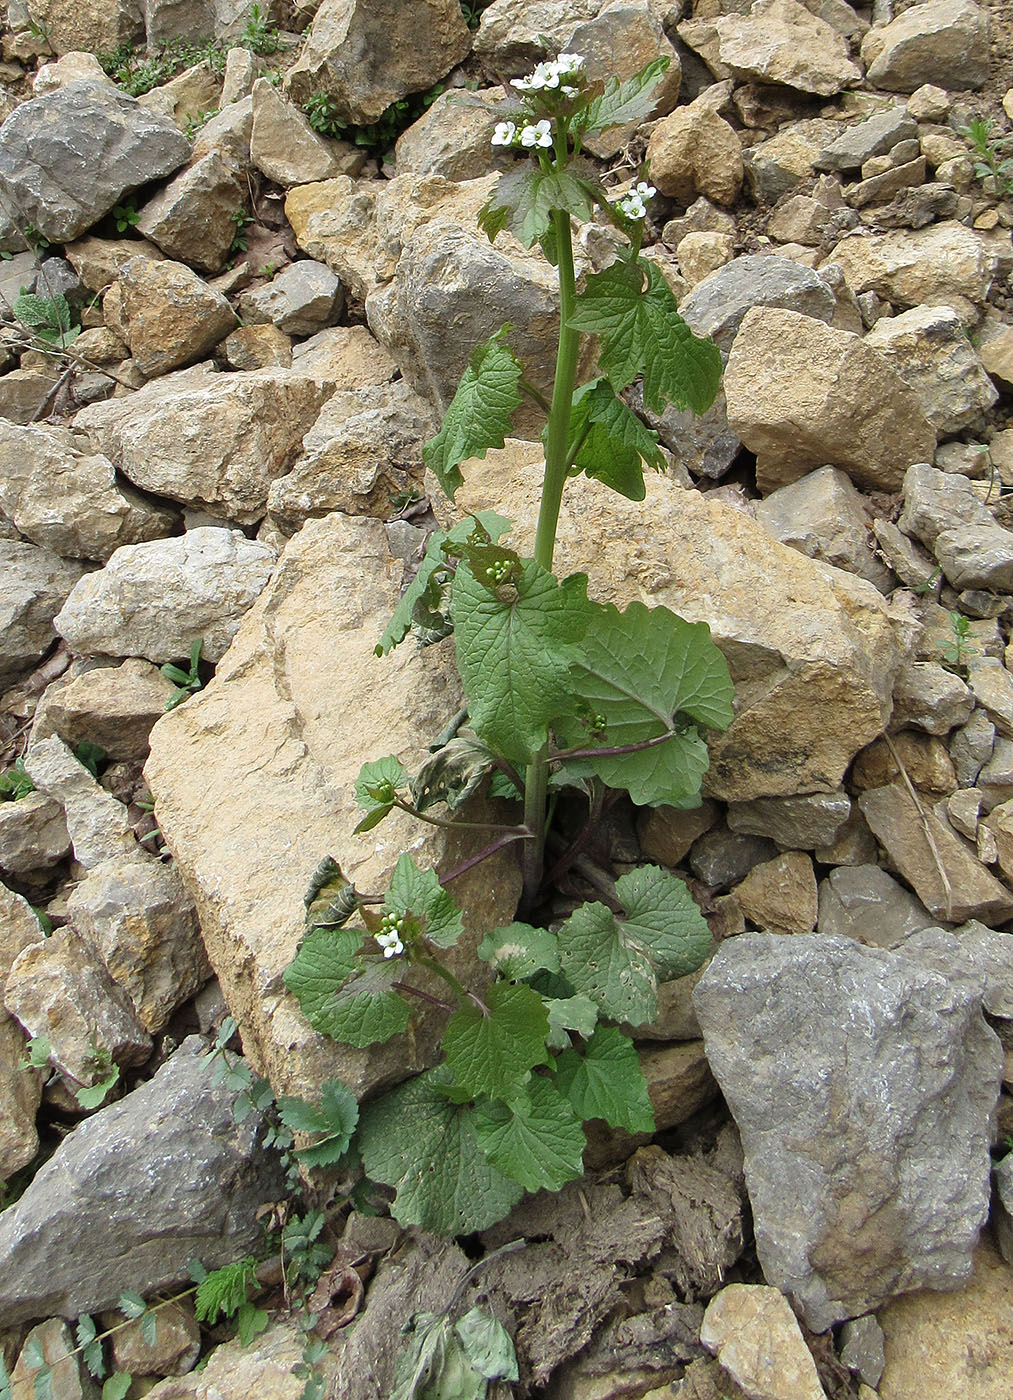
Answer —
283 145
873 137
157 599
34 585
935 501
795 823
717 305
976 954
995 779
775 166
33 835
50 167
61 988
865 903
113 706
702 443
135 913
992 685
96 823
862 1086
451 138
1002 1217
977 556
909 562
134 1193
303 298
929 348
927 696
70 502
939 41
721 857
863 1349
824 516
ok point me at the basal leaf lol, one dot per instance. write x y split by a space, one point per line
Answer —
487 1345
491 1052
619 962
623 102
424 1146
645 673
334 1121
630 308
419 892
453 773
519 951
610 440
606 1081
576 1013
514 646
480 412
358 1010
541 1145
401 621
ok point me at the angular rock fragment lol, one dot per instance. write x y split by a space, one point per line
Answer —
862 1086
929 348
753 1332
824 516
283 145
303 298
865 903
157 599
135 1193
96 823
939 41
780 41
33 835
192 218
112 706
34 584
172 316
943 262
717 306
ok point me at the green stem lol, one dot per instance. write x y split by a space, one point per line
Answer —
455 825
556 467
463 997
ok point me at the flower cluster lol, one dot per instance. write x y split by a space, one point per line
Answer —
529 135
551 74
632 204
389 937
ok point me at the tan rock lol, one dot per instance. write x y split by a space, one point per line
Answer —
700 254
187 96
679 1082
92 26
174 1350
113 706
297 705
943 1345
73 67
930 350
20 1096
266 1367
801 395
192 218
99 261
944 262
780 896
67 1378
369 53
258 347
348 355
695 152
283 145
944 872
666 833
996 351
940 41
172 316
753 1332
451 138
33 836
780 41
813 676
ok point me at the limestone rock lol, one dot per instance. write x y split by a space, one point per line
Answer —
992 686
875 136
112 706
303 298
801 395
703 444
940 1345
935 501
49 1358
134 1193
96 822
824 516
695 152
72 67
945 262
99 261
136 915
720 857
266 1367
865 903
157 599
283 145
187 97
963 889
173 1352
172 316
700 254
211 440
781 41
363 450
451 138
779 895
861 1348
776 166
753 1332
191 219
798 823
24 394
20 1096
369 53
33 835
930 351
924 757
929 697
258 347
940 41
93 26
510 36
823 1048
34 584
666 833
710 562
347 355
48 165
61 988
976 556
973 953
270 734
717 306
68 502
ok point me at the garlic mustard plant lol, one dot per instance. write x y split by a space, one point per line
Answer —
558 688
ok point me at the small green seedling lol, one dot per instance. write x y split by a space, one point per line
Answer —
48 317
125 215
992 163
92 1096
239 243
260 36
91 756
958 645
187 683
15 783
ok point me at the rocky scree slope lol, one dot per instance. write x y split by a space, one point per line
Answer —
271 322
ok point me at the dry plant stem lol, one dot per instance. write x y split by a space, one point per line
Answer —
536 776
923 818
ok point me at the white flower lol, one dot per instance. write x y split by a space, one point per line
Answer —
644 190
633 206
390 943
569 91
569 63
504 134
549 73
538 135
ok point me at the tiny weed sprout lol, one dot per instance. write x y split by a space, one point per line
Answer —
562 692
993 163
186 682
